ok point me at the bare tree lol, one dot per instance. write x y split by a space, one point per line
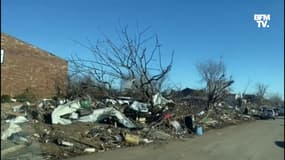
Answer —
217 84
276 99
261 89
135 62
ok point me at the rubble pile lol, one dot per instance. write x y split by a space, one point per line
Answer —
61 129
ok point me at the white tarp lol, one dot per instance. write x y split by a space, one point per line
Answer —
62 110
119 101
140 107
17 120
177 127
102 113
13 128
158 99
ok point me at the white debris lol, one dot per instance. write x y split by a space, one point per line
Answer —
40 105
17 108
36 135
102 113
62 110
201 113
140 107
112 101
90 150
74 116
211 122
13 128
158 99
13 100
177 126
17 120
65 143
145 140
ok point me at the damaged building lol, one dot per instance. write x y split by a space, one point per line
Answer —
26 67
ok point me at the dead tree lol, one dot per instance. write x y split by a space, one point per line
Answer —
213 74
276 100
135 62
261 90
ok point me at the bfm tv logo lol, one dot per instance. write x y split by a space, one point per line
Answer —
262 20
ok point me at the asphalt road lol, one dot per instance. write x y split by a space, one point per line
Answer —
259 140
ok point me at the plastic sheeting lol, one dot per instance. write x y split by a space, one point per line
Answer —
17 120
62 110
13 128
140 107
100 114
158 99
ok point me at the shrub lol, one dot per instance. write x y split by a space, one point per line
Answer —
26 96
5 98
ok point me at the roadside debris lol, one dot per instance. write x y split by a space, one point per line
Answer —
13 128
17 120
64 109
83 125
132 139
12 149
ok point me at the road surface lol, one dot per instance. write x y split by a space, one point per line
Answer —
259 140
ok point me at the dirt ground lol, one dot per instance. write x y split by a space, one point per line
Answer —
258 140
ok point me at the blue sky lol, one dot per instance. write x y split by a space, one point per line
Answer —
196 30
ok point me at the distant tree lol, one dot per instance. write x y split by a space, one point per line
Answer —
276 99
213 74
82 86
261 90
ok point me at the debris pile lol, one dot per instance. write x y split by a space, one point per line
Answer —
62 129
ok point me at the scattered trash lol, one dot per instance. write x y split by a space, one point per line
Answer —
189 123
118 138
83 126
167 116
140 107
177 126
36 135
13 128
65 143
199 131
132 139
102 113
86 102
13 100
145 140
212 122
74 116
17 108
201 113
141 120
159 100
18 139
17 120
159 135
62 110
84 112
12 149
90 150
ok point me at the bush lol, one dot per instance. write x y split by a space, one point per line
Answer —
26 96
5 98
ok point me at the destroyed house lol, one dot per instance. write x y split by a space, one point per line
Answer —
26 67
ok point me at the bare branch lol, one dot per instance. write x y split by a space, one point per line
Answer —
128 60
217 84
